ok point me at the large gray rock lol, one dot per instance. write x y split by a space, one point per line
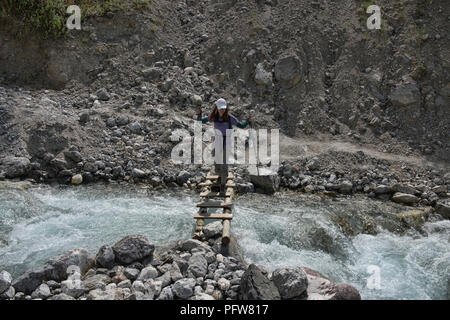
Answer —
322 288
189 244
56 267
61 296
103 94
184 288
15 166
73 288
29 281
443 209
153 73
96 281
133 248
8 294
266 183
105 257
404 188
405 198
138 173
107 294
345 291
345 187
5 281
405 95
147 273
256 286
212 230
291 282
288 70
166 294
131 273
175 272
42 292
183 177
198 266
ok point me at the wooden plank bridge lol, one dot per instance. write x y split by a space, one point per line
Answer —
213 199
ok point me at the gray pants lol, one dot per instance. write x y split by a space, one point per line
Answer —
222 169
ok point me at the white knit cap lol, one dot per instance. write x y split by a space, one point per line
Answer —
221 104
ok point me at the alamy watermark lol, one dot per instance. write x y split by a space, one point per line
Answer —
374 21
190 149
74 21
374 280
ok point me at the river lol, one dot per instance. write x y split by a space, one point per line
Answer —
39 222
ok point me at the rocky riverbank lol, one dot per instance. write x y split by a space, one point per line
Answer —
379 179
135 269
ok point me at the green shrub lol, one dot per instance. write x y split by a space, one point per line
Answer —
48 17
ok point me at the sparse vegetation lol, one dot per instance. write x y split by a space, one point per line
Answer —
48 18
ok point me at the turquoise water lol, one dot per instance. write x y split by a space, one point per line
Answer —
41 222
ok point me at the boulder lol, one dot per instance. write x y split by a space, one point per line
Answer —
5 281
256 286
147 273
103 94
345 291
56 267
266 183
135 127
107 294
188 245
184 288
61 296
403 188
166 294
405 198
73 155
291 282
196 100
405 95
382 189
138 173
246 187
288 70
212 230
153 73
8 294
443 209
96 281
131 273
198 266
29 281
15 167
77 179
133 248
345 187
183 177
105 257
322 288
42 292
73 288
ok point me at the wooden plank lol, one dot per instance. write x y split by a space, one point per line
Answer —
214 204
229 184
226 231
216 177
209 194
213 216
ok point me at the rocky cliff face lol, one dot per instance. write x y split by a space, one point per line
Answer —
116 88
